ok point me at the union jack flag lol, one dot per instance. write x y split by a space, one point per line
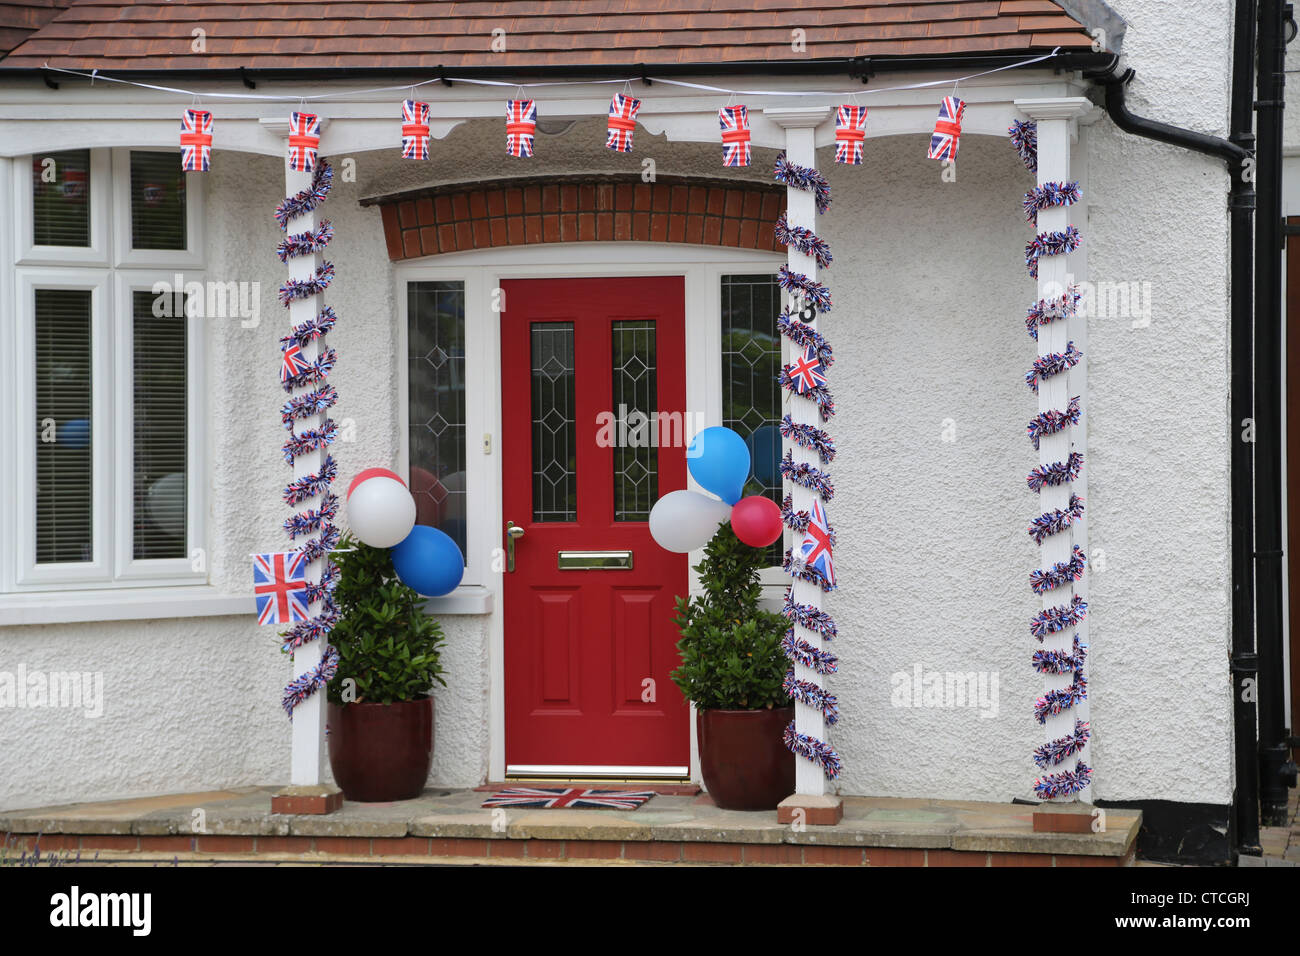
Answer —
734 121
947 129
570 797
622 122
280 586
521 127
815 551
807 371
294 363
304 140
850 131
415 130
196 141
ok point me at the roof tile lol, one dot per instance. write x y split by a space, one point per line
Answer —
293 34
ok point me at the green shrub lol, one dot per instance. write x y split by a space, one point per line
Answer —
386 641
731 650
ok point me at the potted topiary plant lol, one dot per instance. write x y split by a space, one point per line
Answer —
380 708
732 669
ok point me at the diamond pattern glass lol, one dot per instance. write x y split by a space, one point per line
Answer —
751 360
555 427
436 399
636 452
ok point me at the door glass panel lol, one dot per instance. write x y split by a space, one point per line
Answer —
555 427
636 455
158 430
157 201
751 360
436 406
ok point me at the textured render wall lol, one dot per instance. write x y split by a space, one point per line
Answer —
930 293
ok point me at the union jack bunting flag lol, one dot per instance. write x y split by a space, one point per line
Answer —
947 129
294 363
280 586
521 127
304 140
196 141
734 121
622 122
807 372
815 551
569 797
850 131
415 130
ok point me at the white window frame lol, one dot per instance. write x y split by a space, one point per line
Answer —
97 253
127 257
97 571
156 570
49 267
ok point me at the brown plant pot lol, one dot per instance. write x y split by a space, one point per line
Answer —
743 759
381 752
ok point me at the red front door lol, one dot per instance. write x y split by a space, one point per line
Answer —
589 642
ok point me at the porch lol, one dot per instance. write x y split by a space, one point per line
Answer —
450 826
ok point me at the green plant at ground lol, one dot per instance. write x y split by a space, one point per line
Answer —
387 643
730 648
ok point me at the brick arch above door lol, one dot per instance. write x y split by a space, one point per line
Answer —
535 211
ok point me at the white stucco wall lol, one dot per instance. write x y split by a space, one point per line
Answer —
930 293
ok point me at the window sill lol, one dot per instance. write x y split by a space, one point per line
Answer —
142 604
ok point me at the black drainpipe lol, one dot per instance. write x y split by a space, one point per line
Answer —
1276 771
1237 151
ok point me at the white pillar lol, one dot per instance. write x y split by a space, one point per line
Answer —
309 716
800 129
1056 124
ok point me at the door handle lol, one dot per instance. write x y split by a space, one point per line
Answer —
513 534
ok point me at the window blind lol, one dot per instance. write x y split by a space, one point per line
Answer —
64 432
157 201
61 198
159 429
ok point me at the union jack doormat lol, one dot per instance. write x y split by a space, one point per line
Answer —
547 798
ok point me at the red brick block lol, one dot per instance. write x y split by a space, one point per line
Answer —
459 206
345 846
392 231
406 215
410 250
593 850
730 232
717 205
515 230
225 844
834 855
653 851
606 200
446 237
497 228
464 234
514 202
551 228
568 227
533 229
605 226
641 226
429 240
168 844
568 198
477 204
781 854
550 198
496 203
735 202
482 235
283 844
442 209
457 846
507 848
587 227
424 211
545 849
399 846
711 852
1020 859
955 858
894 856
532 199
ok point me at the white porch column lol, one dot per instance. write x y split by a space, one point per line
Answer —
1056 119
800 147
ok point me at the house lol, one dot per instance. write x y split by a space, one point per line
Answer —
145 464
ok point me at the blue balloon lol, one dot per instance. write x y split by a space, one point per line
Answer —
765 448
718 459
74 433
429 562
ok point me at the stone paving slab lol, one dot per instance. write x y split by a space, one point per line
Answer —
912 823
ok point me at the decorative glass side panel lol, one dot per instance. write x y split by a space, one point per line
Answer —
63 428
751 360
636 438
159 431
157 201
436 402
555 427
61 198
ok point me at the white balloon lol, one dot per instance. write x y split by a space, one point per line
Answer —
381 512
682 521
165 502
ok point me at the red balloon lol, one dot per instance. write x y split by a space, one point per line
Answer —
756 521
372 473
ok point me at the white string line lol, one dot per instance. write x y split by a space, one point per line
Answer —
96 75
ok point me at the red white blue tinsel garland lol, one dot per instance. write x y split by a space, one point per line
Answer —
806 379
810 437
1055 662
805 240
1050 244
804 178
1045 311
314 523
